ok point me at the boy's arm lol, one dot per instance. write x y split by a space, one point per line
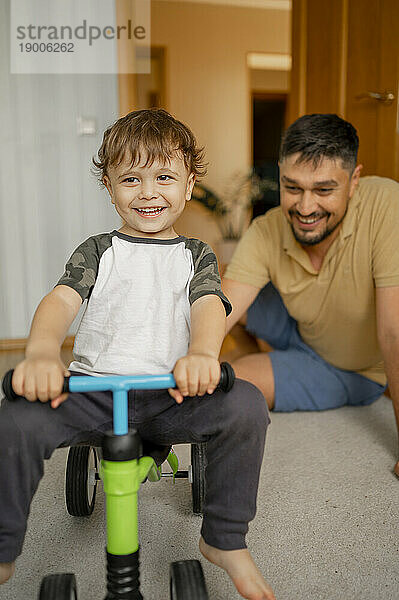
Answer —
199 372
40 376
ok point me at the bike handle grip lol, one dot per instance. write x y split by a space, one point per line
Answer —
226 381
11 395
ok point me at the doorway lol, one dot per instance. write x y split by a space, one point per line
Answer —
151 87
268 124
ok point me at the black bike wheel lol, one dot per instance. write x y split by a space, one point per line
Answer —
61 586
187 581
81 481
198 465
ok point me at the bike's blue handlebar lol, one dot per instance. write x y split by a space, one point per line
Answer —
87 383
120 385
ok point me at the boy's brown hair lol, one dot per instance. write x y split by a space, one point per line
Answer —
154 133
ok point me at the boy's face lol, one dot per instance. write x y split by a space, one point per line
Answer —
150 198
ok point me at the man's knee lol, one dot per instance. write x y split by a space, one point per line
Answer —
258 370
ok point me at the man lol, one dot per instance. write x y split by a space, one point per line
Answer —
319 276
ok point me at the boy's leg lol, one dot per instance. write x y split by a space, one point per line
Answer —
6 571
29 433
234 427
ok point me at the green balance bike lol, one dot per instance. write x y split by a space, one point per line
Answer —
124 466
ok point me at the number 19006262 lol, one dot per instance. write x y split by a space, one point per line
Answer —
47 47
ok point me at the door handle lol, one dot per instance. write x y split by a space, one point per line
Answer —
385 97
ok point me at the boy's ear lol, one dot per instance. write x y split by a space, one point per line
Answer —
190 186
108 185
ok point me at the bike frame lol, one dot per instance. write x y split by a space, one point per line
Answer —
122 478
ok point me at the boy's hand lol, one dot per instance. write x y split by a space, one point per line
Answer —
195 375
40 378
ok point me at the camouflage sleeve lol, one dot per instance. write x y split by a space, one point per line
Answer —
206 279
82 268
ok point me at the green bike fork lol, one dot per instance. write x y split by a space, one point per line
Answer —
122 471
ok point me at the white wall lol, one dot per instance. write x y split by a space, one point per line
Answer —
208 81
49 202
208 84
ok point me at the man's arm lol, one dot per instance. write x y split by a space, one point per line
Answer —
241 296
198 372
387 307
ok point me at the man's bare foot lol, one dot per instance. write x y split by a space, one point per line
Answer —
239 565
6 571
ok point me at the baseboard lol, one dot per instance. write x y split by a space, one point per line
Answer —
19 344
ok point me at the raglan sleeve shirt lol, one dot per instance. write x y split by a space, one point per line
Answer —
139 292
206 278
82 268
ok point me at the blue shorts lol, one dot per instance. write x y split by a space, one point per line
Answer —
303 380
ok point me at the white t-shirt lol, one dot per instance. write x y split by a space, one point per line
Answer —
139 292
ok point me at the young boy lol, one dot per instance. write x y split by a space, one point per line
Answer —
155 305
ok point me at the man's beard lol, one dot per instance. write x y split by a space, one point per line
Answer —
318 238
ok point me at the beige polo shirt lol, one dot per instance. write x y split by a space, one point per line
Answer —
335 307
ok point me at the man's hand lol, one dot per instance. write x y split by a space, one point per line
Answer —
40 378
195 375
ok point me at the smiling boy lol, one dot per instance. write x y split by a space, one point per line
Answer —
154 305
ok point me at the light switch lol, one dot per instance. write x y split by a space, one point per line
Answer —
86 126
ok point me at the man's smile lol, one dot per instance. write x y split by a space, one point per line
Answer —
308 222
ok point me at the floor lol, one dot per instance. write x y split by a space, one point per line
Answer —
327 526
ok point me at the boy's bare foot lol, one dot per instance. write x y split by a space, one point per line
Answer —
239 565
6 571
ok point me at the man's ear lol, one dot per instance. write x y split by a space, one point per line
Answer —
108 185
355 179
190 186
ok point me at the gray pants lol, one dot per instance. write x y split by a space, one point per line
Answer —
233 425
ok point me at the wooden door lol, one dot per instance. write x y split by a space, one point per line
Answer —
346 61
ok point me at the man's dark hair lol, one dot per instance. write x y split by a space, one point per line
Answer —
320 136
